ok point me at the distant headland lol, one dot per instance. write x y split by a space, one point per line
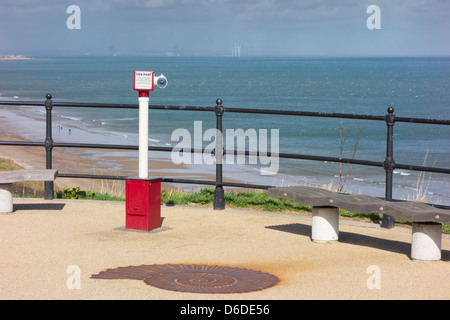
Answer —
13 57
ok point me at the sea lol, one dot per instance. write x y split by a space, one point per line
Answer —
414 87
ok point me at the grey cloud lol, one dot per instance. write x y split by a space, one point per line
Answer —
291 25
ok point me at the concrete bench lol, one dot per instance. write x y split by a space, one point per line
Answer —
7 178
426 230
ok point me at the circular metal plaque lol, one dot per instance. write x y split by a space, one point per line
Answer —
194 278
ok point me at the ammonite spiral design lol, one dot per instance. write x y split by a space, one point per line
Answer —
194 278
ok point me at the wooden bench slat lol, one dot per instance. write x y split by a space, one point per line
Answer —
406 210
27 175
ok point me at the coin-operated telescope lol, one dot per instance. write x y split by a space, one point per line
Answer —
143 194
144 82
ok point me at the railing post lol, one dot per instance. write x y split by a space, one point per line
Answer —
219 197
49 187
389 165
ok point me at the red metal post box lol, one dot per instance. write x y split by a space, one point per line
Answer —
143 204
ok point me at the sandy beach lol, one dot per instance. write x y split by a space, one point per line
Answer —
90 161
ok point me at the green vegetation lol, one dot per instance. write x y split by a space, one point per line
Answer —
8 165
26 188
76 193
255 200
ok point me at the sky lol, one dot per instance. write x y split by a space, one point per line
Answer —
213 27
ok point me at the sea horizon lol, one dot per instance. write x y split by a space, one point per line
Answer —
144 54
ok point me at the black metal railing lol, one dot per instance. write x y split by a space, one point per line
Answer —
388 164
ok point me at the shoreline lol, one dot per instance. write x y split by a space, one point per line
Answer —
4 57
84 163
90 161
120 162
32 128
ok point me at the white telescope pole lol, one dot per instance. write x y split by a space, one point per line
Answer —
143 135
144 82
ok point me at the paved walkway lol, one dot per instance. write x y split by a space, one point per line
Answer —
41 240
